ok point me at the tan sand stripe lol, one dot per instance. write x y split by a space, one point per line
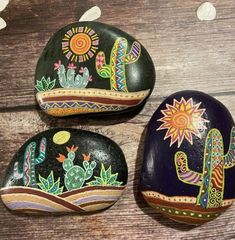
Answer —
7 198
93 193
98 206
90 188
33 191
94 93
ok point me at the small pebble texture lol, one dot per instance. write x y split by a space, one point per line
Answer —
188 54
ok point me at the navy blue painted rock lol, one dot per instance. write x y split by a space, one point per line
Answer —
65 170
91 67
188 170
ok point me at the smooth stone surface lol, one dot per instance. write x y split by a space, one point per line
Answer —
65 170
91 67
188 171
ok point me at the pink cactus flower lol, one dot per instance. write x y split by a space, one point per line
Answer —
57 65
72 66
90 78
81 70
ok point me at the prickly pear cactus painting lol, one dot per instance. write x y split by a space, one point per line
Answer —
91 67
189 164
65 170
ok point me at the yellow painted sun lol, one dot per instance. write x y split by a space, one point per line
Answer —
61 137
182 120
80 44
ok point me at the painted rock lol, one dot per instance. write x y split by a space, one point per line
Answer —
91 67
65 170
188 171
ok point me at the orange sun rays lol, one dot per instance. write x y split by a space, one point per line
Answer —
80 44
182 120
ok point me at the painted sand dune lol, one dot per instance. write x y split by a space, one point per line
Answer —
183 208
64 102
86 199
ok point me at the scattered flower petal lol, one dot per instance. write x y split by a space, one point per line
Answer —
206 12
91 14
3 4
3 24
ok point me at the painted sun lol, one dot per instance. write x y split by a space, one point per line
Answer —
182 120
80 44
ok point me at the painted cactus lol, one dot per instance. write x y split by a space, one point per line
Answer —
69 79
116 69
30 161
211 180
75 175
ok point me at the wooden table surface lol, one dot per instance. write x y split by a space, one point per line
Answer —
187 53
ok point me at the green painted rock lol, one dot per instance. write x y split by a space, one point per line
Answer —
91 67
65 170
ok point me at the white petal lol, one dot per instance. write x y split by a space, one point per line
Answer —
3 24
91 14
206 12
3 4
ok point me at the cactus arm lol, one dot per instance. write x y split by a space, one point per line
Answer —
16 172
117 65
67 164
85 77
16 175
29 157
78 81
229 158
88 169
42 152
184 173
134 53
211 191
70 77
102 68
62 77
29 175
82 81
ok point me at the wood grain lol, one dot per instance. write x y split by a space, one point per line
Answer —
187 53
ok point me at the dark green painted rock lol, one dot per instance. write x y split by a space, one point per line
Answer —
91 67
65 170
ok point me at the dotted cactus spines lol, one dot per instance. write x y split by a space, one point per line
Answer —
211 180
30 161
75 176
116 69
69 79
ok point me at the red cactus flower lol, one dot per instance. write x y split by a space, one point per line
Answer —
72 149
61 158
86 157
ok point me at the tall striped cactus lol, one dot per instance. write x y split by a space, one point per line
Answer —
211 180
116 70
30 161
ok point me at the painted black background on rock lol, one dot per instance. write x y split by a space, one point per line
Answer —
102 150
140 75
158 171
